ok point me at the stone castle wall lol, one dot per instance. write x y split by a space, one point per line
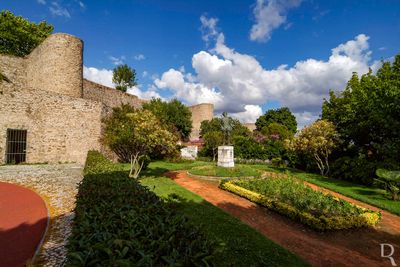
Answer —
56 65
109 96
61 111
14 68
200 113
59 128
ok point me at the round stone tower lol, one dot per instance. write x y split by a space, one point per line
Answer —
56 65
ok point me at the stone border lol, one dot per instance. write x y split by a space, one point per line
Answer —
46 231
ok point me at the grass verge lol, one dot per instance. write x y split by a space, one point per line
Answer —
239 170
239 244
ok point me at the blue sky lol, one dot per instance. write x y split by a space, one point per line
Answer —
233 56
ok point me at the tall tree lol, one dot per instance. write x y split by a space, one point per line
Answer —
367 116
19 36
215 124
317 140
135 134
124 77
175 115
281 115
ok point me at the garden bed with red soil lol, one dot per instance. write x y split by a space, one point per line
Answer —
358 247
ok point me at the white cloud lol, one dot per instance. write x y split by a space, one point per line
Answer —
42 2
237 83
208 28
57 10
139 57
104 77
250 115
305 118
145 74
82 5
101 76
117 60
269 15
149 94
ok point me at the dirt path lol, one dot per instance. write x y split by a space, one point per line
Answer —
23 221
359 247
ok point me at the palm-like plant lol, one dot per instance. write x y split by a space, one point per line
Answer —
390 181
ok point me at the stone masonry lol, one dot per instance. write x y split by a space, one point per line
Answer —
61 111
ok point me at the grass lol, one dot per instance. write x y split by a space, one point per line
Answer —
374 196
239 170
240 245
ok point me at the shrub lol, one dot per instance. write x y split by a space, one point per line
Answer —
119 222
292 198
390 181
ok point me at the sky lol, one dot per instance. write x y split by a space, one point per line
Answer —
245 57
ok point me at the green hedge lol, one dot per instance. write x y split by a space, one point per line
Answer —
299 202
119 222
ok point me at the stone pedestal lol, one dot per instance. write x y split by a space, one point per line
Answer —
225 157
189 152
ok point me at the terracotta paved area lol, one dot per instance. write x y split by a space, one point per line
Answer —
358 247
23 221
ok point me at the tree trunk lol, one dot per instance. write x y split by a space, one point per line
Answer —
136 167
395 196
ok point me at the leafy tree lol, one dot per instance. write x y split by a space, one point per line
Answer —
317 140
246 147
215 124
367 116
212 140
135 134
276 131
124 77
176 116
18 36
390 181
281 115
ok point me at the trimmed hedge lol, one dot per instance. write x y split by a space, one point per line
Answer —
119 222
361 218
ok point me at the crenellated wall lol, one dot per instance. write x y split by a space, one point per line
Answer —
56 65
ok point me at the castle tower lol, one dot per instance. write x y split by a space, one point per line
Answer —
56 65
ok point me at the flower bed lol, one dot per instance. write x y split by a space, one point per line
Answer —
119 222
290 197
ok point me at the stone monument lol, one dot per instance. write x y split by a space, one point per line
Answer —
225 157
225 152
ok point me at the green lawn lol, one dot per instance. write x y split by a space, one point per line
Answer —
240 244
371 195
239 170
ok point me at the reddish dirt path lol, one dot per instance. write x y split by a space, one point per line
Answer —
23 221
358 247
